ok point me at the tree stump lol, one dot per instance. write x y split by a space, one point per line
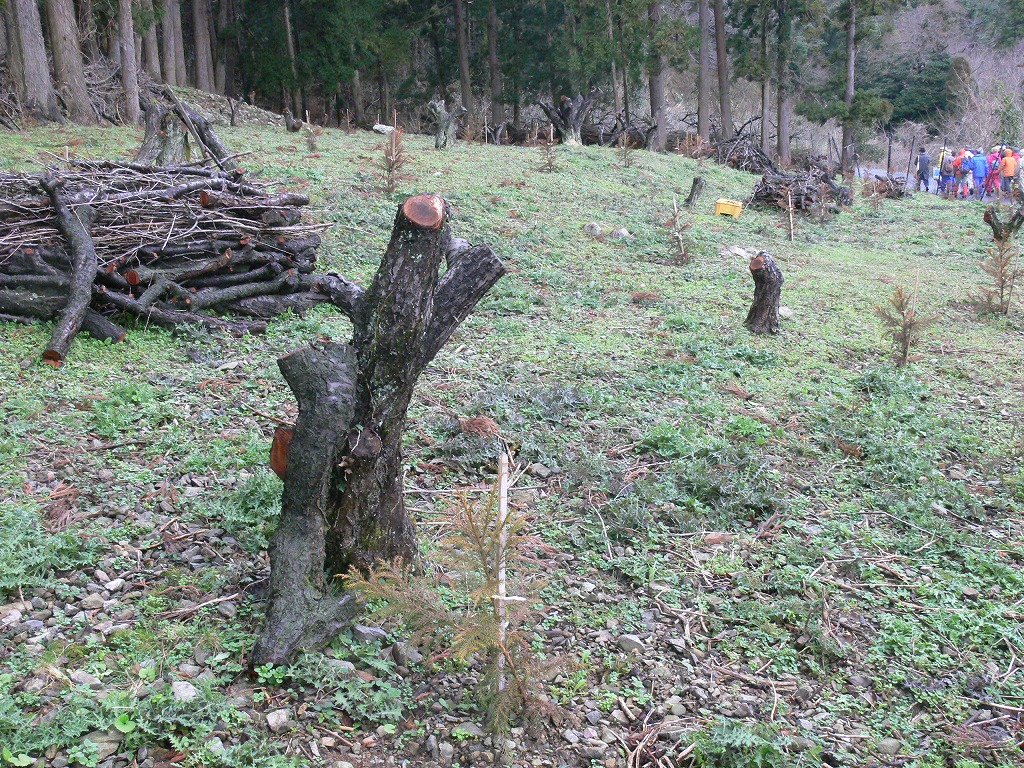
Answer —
696 190
763 316
1003 231
444 131
342 504
291 124
165 141
569 116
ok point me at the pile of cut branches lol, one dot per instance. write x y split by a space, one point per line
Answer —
803 190
893 187
102 242
744 153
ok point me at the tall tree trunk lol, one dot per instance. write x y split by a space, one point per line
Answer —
68 64
783 96
497 105
150 44
87 31
294 93
462 47
657 81
179 43
14 61
169 64
851 87
35 88
765 87
203 44
129 74
722 56
704 73
358 115
616 97
549 48
437 43
220 63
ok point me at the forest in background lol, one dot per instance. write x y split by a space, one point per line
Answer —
823 77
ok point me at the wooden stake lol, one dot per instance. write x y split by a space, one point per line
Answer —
789 206
499 603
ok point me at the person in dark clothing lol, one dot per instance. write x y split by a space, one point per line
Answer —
924 169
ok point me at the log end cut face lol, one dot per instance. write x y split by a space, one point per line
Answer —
425 211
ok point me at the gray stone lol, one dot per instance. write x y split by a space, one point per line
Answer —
405 654
383 130
445 753
539 470
183 690
279 720
571 736
108 742
621 234
344 764
189 670
431 746
472 729
631 644
366 634
860 681
592 228
91 602
115 585
346 668
786 312
800 743
889 747
593 717
215 745
227 609
82 677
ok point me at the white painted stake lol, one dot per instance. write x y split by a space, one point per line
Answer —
500 601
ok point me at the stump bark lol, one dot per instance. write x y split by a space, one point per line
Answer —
342 504
570 114
696 190
444 131
1003 231
763 316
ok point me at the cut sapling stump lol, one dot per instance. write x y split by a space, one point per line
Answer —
763 316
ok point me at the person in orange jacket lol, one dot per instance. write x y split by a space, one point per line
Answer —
1007 170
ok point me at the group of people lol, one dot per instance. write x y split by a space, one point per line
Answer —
969 173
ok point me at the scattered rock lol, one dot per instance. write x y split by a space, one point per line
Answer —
227 609
445 753
539 470
279 720
108 742
631 644
405 654
115 585
366 634
183 690
383 130
571 736
91 602
786 312
621 234
82 677
889 747
592 228
471 728
860 681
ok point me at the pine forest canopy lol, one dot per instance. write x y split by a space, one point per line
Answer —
862 63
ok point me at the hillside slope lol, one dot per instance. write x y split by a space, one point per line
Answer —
811 557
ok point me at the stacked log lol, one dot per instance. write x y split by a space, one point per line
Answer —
103 242
804 190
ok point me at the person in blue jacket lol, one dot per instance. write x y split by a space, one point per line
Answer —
980 172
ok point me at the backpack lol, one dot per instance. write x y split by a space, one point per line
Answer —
947 165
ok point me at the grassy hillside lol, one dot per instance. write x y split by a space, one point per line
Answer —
826 573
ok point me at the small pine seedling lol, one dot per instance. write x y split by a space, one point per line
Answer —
1002 266
548 157
903 324
677 227
394 158
483 625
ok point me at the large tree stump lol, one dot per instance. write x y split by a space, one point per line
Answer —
763 316
569 116
444 121
696 189
165 141
1003 231
342 504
